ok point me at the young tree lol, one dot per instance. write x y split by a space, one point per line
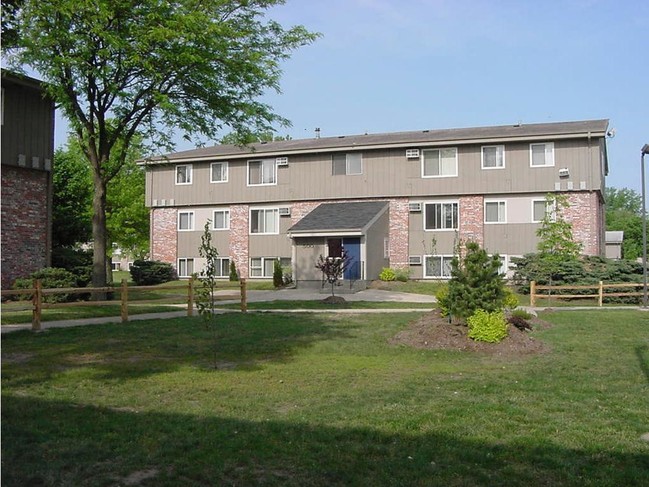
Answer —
475 283
205 297
119 67
333 268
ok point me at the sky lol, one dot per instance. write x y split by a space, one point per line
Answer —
399 65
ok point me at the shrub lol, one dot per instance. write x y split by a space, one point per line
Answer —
278 274
519 323
402 274
234 275
511 299
287 272
150 272
442 299
76 261
489 327
50 277
387 274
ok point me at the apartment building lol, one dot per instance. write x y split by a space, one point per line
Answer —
400 200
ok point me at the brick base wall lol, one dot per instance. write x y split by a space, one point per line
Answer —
239 243
25 223
164 235
399 236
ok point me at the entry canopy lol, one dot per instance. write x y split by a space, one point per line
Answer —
339 219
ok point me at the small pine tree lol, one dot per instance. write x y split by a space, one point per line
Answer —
234 275
475 283
278 274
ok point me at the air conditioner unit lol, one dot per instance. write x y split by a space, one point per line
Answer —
412 153
414 207
414 260
285 211
564 173
282 161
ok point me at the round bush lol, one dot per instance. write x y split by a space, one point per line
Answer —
387 274
50 277
151 272
487 327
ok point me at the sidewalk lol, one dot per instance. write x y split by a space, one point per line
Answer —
255 297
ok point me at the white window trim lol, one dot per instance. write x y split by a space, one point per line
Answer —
423 262
190 174
551 144
442 202
263 266
423 153
185 259
226 167
504 203
219 210
220 264
192 221
270 161
482 157
250 232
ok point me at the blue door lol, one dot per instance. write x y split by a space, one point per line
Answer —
353 248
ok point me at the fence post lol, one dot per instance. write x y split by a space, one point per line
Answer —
37 300
190 297
244 299
533 294
601 294
124 298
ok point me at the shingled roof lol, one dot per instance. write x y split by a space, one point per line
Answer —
339 217
595 128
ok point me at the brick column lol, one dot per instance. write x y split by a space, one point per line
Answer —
164 235
583 213
398 233
471 215
239 249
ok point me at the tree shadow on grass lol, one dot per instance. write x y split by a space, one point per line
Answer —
57 443
137 349
642 352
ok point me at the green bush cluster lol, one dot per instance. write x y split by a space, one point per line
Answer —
387 274
50 277
442 299
76 261
400 274
510 300
151 272
490 327
234 275
586 270
278 274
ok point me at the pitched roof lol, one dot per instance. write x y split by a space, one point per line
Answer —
339 217
595 128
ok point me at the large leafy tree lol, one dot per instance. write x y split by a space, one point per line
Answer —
119 67
624 212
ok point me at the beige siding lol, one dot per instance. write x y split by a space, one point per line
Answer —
374 247
387 173
307 252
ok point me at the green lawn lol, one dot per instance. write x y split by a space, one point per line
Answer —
322 399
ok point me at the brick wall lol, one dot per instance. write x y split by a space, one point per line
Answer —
399 224
25 223
584 214
239 248
164 235
471 219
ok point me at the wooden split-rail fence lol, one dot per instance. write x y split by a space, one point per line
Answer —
600 291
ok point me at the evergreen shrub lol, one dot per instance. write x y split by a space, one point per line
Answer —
151 272
50 277
278 274
234 275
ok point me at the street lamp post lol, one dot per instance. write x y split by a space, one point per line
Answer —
645 150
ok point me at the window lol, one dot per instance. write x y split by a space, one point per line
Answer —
186 220
347 164
540 208
493 156
221 220
495 212
222 267
438 266
542 154
439 163
184 174
264 220
219 172
185 267
262 172
441 216
264 266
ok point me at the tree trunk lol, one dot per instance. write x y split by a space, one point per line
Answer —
98 231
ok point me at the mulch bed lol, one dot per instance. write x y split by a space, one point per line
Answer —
433 331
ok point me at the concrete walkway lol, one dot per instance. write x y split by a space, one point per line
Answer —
374 295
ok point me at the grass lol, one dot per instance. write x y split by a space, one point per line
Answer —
321 399
319 304
10 317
